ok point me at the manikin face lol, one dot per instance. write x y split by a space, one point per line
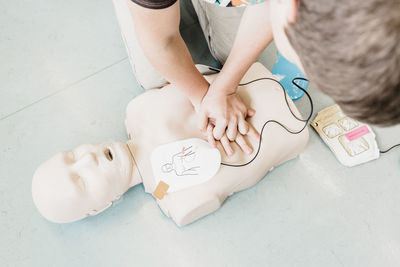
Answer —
283 13
82 182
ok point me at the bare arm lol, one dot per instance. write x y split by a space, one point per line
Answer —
157 31
253 36
221 104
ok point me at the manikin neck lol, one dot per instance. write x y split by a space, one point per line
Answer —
136 176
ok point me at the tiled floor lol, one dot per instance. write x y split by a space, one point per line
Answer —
65 80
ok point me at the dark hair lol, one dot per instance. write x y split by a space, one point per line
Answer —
351 51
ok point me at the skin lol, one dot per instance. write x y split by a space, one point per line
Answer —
282 13
221 111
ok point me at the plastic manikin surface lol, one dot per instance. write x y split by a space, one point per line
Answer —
169 117
84 181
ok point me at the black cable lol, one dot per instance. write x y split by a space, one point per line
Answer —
277 122
387 150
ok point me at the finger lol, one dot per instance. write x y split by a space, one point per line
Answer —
253 133
210 136
226 144
243 126
243 144
231 132
203 121
220 128
251 112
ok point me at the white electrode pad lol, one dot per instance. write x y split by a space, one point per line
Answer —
185 163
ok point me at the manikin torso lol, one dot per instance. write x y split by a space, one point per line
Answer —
166 116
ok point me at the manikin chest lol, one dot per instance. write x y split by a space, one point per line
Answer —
157 119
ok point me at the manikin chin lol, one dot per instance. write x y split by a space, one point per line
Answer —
85 181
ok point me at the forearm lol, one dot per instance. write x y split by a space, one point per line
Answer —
158 34
253 36
174 62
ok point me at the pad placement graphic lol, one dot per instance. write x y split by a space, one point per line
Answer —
185 163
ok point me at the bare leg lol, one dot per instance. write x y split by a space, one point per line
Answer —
147 76
220 25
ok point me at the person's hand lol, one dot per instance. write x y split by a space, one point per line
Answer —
226 143
226 115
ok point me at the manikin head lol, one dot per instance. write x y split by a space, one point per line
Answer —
82 182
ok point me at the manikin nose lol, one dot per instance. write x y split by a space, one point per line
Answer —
87 158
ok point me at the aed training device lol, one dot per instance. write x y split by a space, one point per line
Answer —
351 141
285 71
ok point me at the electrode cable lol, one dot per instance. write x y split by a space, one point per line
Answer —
387 150
277 122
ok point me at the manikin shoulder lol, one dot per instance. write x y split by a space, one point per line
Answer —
155 100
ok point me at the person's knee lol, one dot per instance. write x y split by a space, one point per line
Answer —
223 24
149 79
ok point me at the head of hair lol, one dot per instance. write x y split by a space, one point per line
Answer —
350 50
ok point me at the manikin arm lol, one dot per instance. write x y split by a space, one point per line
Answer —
201 204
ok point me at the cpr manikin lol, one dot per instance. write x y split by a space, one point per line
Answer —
83 182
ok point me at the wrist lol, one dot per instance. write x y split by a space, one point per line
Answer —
223 87
198 94
227 81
